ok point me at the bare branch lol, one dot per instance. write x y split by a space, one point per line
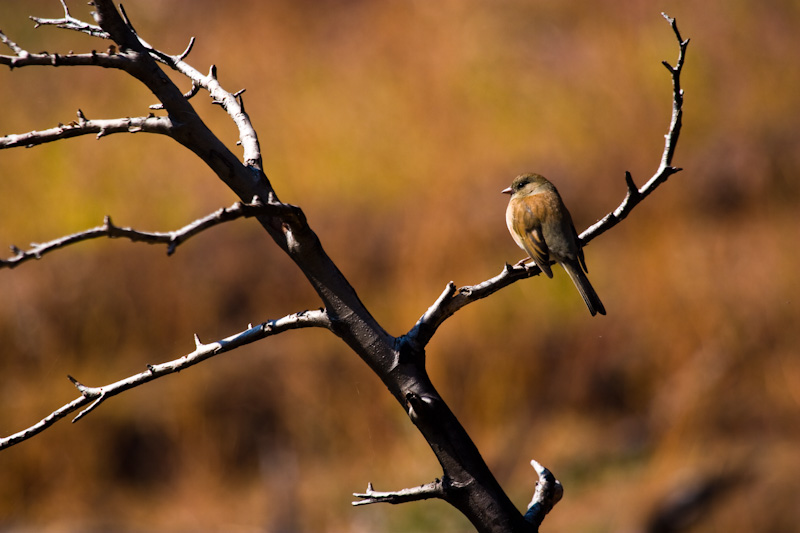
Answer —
452 299
435 489
94 396
83 126
11 44
547 494
136 57
23 58
71 23
232 103
172 238
665 169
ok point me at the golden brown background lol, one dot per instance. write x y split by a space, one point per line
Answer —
395 124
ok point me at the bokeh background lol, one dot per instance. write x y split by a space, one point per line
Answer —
395 124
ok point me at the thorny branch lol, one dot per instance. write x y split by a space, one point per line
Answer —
84 126
172 238
92 397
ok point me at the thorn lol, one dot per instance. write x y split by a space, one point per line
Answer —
197 342
629 182
80 386
188 49
151 368
212 72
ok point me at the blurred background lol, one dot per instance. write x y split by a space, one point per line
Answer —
395 124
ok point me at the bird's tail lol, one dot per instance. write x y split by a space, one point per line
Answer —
584 287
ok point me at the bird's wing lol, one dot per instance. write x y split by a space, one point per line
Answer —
529 227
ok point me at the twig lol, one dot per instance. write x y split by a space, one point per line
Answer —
71 23
148 124
23 58
172 238
94 396
435 489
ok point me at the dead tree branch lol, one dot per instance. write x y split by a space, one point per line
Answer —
84 126
434 489
172 238
92 397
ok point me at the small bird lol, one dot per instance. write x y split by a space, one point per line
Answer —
540 224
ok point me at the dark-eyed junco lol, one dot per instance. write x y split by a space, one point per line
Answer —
540 224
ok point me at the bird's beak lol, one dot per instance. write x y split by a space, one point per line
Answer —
507 190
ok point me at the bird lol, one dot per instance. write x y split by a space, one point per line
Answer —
541 225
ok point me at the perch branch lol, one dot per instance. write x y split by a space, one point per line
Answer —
172 238
453 299
92 397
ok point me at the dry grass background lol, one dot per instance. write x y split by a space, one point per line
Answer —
395 124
